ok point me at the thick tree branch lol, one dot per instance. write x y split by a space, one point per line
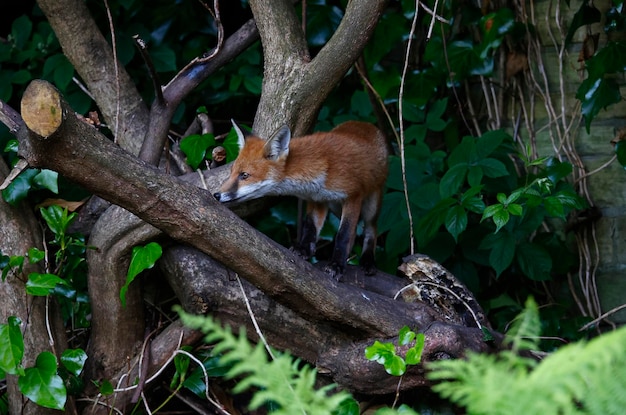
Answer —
81 154
92 57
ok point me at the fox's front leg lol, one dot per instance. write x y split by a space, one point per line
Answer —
313 222
345 237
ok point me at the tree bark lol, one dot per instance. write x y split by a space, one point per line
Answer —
295 84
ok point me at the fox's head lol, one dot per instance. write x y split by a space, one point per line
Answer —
257 169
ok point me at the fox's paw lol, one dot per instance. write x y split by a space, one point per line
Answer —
367 263
302 253
334 270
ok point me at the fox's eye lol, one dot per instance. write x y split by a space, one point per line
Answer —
244 175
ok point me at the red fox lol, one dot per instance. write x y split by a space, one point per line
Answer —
344 170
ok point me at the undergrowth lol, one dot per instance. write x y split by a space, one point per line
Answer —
580 378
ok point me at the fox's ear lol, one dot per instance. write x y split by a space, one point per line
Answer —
241 135
277 146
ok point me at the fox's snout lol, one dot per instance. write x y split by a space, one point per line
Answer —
217 196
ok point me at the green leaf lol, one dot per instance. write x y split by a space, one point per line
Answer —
42 385
452 180
414 354
35 255
489 142
456 221
348 406
596 94
106 388
19 188
231 144
11 146
181 363
143 257
609 60
42 284
620 150
58 219
47 179
405 336
74 360
501 218
493 168
534 261
11 346
502 250
21 30
195 147
61 70
585 15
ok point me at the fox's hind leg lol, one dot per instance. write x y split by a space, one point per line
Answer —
369 212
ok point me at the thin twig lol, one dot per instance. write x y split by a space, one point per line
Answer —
401 126
117 71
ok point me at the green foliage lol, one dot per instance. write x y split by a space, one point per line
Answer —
279 381
48 382
386 353
579 378
600 89
42 382
30 179
142 258
33 52
283 381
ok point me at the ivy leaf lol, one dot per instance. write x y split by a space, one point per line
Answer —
42 385
74 360
610 59
42 284
231 145
11 346
19 188
596 94
47 179
348 406
195 147
584 16
620 150
143 257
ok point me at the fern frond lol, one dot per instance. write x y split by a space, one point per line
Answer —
580 378
283 381
525 329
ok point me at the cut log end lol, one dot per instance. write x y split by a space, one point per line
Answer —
41 108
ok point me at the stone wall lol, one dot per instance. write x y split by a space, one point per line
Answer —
607 186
